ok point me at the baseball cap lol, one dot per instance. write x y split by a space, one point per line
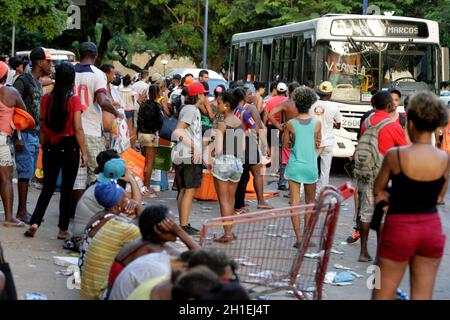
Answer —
282 87
88 48
393 90
114 169
189 80
40 53
3 69
104 157
196 89
108 194
325 88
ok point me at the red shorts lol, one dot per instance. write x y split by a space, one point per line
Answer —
285 155
407 235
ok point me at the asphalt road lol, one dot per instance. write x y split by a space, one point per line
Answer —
34 271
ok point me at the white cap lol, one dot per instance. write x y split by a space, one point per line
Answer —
282 87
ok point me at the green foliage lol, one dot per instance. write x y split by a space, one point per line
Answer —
47 17
122 28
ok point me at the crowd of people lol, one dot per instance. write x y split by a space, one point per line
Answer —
126 250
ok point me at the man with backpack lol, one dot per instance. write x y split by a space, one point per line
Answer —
379 133
26 142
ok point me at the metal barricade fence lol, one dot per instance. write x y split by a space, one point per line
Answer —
264 244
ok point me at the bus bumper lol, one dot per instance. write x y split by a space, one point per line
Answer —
345 144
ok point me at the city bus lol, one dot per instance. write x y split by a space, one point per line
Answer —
356 53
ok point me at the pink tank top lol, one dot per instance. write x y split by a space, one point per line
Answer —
6 115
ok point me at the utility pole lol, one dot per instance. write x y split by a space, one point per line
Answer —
205 35
13 41
365 5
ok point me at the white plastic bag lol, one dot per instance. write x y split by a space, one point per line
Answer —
120 135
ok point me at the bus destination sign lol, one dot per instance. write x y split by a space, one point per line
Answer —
378 28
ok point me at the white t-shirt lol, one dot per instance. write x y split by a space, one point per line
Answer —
328 113
141 87
190 115
87 207
88 81
115 94
144 268
11 77
129 97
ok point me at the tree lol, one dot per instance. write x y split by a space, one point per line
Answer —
36 20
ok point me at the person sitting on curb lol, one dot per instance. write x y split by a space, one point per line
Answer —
105 237
131 266
110 167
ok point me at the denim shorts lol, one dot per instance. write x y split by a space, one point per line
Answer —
26 161
227 168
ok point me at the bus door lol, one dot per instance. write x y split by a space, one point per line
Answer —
266 61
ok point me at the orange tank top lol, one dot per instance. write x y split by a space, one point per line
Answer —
6 116
446 138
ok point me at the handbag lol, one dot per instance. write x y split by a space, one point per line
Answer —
168 127
378 214
9 291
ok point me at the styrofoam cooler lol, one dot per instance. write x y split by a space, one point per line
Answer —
159 178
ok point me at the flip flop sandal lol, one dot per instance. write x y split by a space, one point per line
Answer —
20 224
265 207
25 219
225 239
145 191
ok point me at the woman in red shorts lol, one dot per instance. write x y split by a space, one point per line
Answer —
412 232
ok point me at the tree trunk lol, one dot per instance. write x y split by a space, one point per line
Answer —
216 63
152 61
103 45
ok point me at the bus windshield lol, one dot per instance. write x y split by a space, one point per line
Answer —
358 68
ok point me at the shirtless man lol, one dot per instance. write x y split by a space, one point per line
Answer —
289 110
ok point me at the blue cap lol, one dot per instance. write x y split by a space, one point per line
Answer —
108 194
114 170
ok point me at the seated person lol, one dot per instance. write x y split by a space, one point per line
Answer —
113 235
149 256
397 73
113 203
110 167
160 288
195 283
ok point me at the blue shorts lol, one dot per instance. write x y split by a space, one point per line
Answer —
26 161
129 114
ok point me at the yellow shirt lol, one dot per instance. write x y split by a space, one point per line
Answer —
144 290
105 246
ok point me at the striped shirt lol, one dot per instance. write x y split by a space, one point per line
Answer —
106 244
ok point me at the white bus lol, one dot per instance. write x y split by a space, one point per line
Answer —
356 53
58 56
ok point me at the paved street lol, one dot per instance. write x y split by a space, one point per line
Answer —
34 271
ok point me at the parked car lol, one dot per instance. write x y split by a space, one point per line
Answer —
445 96
215 79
